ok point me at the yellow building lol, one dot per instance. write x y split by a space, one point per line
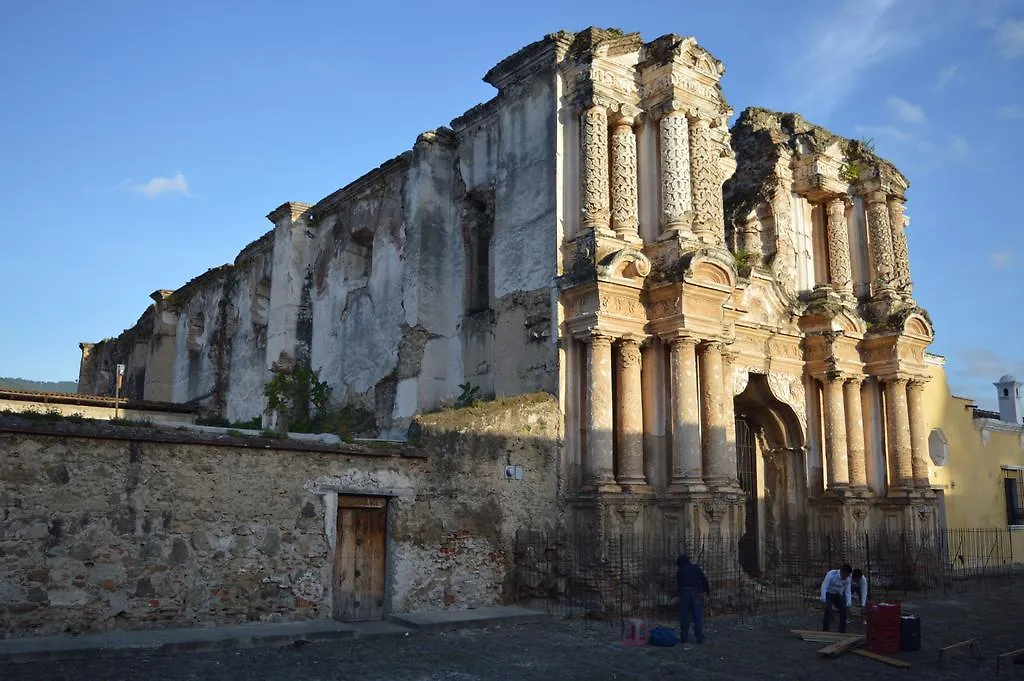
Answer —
976 467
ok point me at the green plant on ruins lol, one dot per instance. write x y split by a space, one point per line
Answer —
744 262
857 151
469 396
298 395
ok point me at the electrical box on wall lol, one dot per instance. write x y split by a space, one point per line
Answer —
513 472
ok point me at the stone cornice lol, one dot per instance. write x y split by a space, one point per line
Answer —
481 114
531 59
398 164
290 209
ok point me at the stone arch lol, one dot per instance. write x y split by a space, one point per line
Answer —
775 507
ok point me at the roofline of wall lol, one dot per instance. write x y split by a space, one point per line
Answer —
170 437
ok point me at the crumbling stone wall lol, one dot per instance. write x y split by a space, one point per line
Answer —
141 528
98 369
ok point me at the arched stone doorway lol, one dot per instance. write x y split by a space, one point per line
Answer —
771 471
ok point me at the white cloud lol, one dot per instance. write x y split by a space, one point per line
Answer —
1009 38
1002 260
854 38
1011 111
906 111
945 75
165 185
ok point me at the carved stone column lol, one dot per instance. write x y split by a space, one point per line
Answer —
839 248
712 404
687 467
708 221
855 433
676 188
631 419
901 255
624 192
836 463
898 426
594 164
918 434
880 234
598 462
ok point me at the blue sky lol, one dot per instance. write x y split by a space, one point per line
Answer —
144 143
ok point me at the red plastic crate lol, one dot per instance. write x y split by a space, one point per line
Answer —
883 628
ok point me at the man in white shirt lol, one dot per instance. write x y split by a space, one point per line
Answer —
835 593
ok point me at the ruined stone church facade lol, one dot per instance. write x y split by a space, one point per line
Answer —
726 316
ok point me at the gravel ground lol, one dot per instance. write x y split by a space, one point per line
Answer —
749 648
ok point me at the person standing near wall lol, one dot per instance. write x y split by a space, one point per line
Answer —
859 589
835 593
691 582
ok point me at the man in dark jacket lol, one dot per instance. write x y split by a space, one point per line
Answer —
691 581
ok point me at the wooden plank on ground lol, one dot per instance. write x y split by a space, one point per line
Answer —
839 647
892 661
813 632
974 648
1006 661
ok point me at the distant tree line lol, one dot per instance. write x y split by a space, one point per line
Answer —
39 386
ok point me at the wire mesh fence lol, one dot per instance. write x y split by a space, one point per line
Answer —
632 575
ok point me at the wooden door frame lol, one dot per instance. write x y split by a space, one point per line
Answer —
332 504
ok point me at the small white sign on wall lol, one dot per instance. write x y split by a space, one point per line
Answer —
513 472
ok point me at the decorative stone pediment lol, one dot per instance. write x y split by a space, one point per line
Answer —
916 326
707 269
628 264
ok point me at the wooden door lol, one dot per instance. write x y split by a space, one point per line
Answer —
360 558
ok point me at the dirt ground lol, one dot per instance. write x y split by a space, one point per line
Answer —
736 648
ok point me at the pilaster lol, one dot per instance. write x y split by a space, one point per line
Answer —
708 220
880 234
898 426
631 423
836 463
599 473
687 465
918 434
901 255
595 199
625 218
839 248
713 415
855 449
159 382
676 182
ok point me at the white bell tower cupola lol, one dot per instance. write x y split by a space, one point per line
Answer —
1009 399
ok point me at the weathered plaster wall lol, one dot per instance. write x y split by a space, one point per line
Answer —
120 530
357 293
525 237
248 344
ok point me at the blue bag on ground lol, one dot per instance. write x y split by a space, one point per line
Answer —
663 636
